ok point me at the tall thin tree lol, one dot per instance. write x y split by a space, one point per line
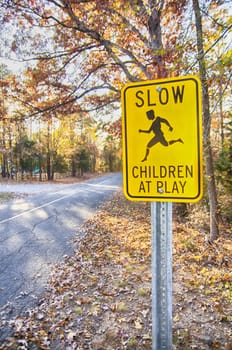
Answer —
214 215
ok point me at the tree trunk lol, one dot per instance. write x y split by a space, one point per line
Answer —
73 166
214 216
49 168
221 113
155 34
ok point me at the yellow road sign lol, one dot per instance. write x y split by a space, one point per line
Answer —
162 140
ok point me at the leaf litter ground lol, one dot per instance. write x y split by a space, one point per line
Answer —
100 298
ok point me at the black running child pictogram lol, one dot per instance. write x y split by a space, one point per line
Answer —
156 129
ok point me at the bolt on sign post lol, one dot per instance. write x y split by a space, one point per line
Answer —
162 163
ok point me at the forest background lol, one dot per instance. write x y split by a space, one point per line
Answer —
60 113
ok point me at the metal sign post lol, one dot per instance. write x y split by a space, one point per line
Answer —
161 223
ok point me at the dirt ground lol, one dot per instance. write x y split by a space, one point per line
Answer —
100 298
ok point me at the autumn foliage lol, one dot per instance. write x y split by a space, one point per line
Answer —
77 56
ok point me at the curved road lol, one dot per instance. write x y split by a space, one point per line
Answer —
36 232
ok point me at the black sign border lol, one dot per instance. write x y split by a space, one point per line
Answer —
125 128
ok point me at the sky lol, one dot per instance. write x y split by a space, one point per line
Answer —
14 66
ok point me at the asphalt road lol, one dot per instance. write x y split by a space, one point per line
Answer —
36 232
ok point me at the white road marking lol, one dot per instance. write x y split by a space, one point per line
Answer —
34 209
